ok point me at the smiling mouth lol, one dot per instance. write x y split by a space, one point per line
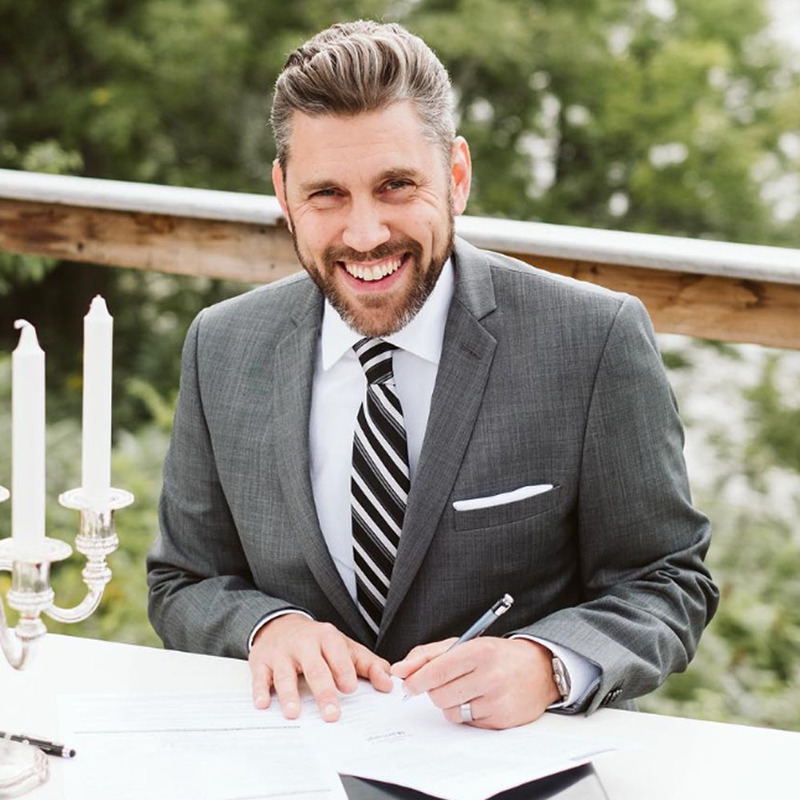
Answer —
375 271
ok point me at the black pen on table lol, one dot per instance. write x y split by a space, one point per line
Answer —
48 748
481 624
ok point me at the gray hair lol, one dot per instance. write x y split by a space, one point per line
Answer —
355 67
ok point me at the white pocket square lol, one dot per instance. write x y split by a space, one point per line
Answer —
503 498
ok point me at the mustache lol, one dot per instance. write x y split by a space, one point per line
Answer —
385 250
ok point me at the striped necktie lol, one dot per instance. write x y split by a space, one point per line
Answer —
379 481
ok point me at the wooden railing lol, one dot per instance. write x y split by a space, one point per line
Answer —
716 290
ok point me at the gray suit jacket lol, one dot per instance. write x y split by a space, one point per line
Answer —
541 380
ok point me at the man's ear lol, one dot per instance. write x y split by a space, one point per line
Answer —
460 174
280 190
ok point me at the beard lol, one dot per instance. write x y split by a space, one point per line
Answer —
376 315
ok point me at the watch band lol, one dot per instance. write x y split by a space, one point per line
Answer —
561 678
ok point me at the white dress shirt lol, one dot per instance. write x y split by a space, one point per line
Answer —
337 393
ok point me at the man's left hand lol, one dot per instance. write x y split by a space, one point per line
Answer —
507 682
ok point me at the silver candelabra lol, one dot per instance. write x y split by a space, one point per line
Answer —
21 766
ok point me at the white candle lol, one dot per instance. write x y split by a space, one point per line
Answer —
27 443
98 327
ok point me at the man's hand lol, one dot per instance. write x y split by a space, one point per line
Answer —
294 645
508 682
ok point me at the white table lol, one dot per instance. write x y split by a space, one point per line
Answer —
668 757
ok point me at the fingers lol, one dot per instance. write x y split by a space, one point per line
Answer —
484 715
420 656
323 658
336 651
262 685
494 711
431 666
506 682
372 667
320 680
450 677
292 646
379 677
463 689
284 680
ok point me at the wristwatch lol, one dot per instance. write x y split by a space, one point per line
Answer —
561 678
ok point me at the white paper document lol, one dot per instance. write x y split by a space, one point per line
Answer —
188 747
410 743
218 747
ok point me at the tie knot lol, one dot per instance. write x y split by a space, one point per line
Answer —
375 356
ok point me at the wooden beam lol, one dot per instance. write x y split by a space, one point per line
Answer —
709 306
242 251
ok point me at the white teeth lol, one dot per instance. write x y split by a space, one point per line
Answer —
376 272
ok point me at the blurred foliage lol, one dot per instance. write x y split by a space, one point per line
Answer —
777 423
740 405
151 312
678 117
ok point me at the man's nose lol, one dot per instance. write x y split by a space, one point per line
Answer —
365 227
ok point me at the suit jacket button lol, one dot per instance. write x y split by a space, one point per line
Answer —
612 695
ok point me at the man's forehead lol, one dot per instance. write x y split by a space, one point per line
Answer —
390 140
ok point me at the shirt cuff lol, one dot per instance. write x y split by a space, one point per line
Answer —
582 672
269 617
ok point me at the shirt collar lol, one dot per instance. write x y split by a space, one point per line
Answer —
422 336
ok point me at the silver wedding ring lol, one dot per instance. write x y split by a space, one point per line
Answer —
466 712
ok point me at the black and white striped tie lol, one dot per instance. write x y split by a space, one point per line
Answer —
379 481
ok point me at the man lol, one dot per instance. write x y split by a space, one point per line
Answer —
366 456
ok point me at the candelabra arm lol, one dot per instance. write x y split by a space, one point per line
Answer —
97 539
78 613
17 650
30 594
15 643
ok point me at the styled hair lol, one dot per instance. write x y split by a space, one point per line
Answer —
355 67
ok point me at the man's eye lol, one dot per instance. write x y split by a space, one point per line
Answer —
394 186
324 193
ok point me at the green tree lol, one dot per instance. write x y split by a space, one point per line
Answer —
606 114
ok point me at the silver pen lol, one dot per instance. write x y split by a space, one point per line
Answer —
480 625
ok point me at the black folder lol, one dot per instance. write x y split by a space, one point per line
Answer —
579 783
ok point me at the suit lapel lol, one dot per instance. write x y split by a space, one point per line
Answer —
294 370
467 353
